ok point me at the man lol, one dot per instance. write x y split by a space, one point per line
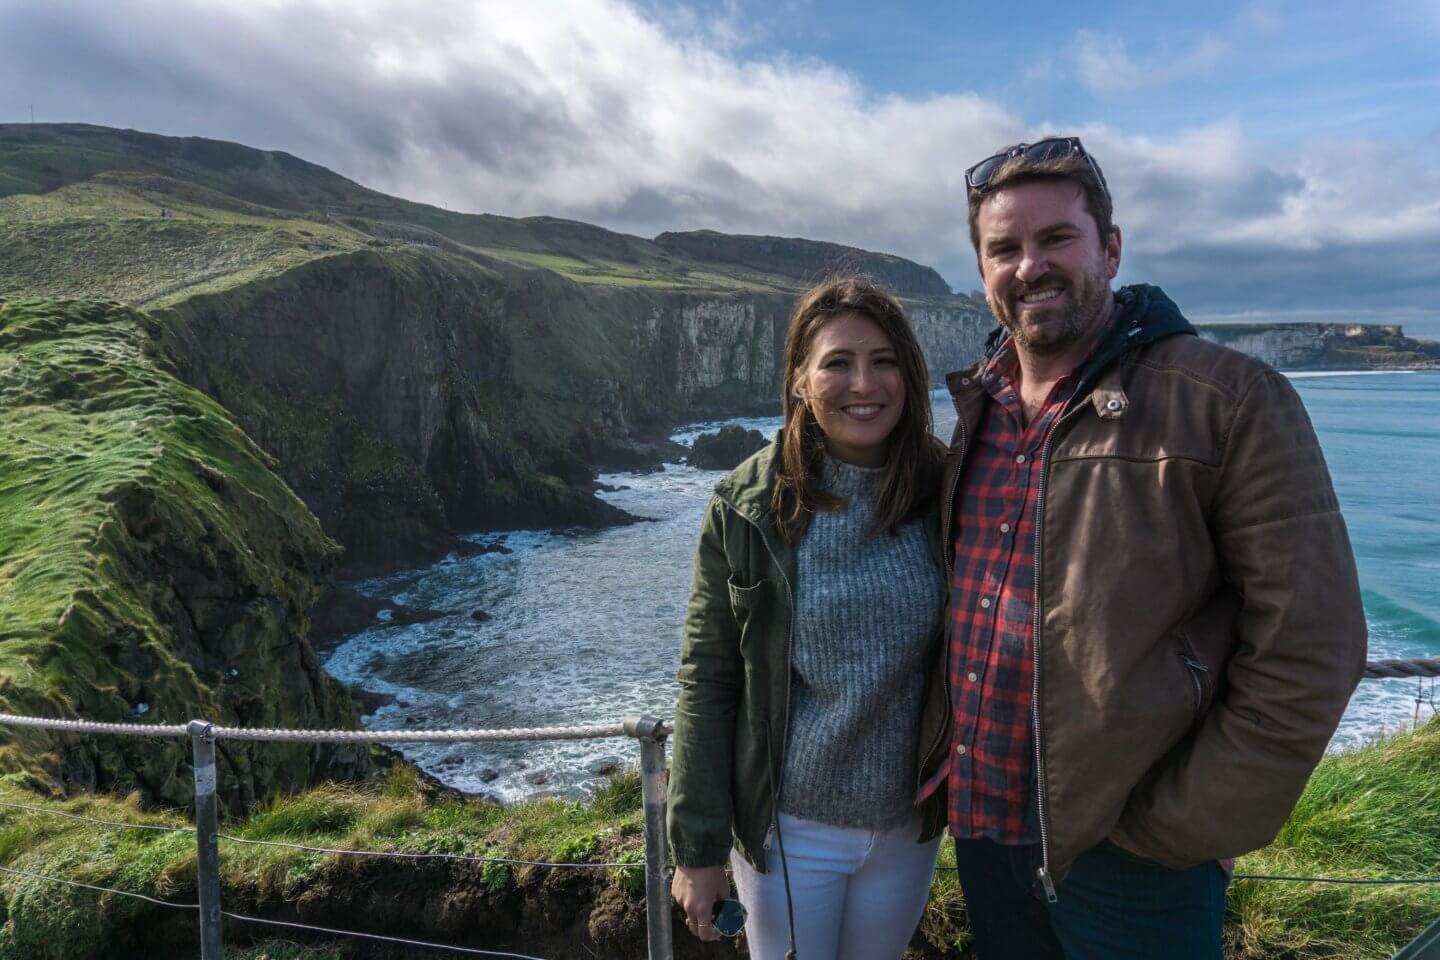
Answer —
1155 621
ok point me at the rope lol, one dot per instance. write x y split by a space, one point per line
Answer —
274 735
1261 876
1391 669
86 726
595 732
375 936
424 856
103 823
87 886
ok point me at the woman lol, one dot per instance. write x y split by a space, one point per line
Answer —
815 614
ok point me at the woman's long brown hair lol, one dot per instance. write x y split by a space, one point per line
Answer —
913 456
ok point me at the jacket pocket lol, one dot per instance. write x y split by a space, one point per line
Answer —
745 599
1199 674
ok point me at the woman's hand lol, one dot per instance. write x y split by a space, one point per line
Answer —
696 889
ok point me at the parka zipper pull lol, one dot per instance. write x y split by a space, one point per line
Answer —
769 837
1045 882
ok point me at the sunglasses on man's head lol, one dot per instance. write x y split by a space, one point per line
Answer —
1053 148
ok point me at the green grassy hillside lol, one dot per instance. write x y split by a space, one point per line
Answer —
38 159
152 565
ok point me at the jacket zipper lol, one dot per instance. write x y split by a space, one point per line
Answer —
946 555
948 507
1199 672
1043 872
789 669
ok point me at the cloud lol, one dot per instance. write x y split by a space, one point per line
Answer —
600 111
1104 65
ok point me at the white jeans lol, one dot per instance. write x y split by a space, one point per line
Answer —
858 894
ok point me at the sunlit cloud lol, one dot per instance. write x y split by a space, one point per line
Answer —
604 111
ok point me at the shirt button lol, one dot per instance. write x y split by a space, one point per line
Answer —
985 603
972 676
1004 528
1020 458
961 750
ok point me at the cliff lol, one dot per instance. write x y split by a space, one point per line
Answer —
410 393
153 568
1326 346
417 372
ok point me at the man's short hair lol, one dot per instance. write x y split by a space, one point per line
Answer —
1075 167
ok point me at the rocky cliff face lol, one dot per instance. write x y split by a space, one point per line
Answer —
383 384
409 394
1318 346
953 334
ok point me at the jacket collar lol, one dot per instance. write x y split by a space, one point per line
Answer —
750 486
749 489
1144 314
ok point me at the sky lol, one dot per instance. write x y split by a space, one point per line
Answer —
1268 159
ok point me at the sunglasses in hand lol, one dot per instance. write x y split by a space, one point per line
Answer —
729 917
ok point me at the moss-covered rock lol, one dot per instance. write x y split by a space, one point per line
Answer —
153 567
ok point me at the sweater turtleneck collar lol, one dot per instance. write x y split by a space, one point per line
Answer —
847 479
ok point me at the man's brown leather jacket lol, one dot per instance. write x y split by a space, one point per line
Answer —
1199 624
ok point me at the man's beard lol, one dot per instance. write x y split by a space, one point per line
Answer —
1087 296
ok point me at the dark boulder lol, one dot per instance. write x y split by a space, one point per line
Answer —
725 448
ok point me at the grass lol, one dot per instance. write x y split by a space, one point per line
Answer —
149 555
145 239
657 275
1371 812
393 813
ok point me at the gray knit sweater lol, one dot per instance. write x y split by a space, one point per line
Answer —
865 612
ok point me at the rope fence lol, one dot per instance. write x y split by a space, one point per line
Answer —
103 823
473 951
1397 669
649 732
276 735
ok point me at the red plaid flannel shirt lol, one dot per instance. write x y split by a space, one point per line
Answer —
990 769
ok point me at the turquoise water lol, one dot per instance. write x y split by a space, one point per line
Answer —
585 624
1381 436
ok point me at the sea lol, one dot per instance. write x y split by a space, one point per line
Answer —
584 625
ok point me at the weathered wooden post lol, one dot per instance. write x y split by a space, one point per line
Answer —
207 846
651 734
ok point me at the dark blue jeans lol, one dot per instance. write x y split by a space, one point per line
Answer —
1111 905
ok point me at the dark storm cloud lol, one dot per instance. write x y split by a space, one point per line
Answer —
1250 193
1340 278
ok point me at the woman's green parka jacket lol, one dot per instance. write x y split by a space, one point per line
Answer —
730 720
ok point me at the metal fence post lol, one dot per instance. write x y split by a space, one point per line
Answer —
650 733
207 847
